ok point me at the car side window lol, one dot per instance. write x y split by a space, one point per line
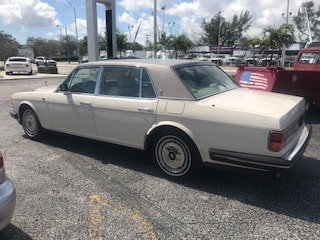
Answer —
147 90
126 82
84 80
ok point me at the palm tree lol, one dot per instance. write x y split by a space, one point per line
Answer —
276 38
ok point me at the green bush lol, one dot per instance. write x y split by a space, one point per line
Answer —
48 69
1 68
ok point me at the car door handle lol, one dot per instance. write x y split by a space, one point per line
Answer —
146 110
85 103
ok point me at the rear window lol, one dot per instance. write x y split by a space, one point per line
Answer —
310 58
205 80
17 60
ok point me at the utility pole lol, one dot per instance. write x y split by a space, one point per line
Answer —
155 29
283 52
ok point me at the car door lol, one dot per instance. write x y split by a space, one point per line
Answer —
126 106
71 111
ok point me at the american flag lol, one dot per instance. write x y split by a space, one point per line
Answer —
253 80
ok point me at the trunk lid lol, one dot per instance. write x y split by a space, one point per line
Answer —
258 108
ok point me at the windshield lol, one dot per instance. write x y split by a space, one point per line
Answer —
205 80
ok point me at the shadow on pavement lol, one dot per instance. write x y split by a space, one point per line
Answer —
12 232
295 194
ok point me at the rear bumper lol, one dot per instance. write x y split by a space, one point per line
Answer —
263 162
7 202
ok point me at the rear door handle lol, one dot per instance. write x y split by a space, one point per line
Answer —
146 110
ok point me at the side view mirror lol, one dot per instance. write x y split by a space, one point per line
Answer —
63 87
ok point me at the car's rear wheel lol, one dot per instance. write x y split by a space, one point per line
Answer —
176 155
31 124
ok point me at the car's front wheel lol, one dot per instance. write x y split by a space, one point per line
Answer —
176 155
31 124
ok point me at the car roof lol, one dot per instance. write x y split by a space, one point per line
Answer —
165 80
147 62
17 57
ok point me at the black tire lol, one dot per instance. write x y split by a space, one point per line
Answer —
31 124
7 73
176 155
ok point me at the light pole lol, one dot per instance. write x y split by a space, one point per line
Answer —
76 28
130 28
163 8
283 52
170 25
155 29
67 41
219 32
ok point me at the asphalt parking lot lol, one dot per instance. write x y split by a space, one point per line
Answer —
74 188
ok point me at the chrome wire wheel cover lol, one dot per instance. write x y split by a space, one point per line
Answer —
173 155
30 123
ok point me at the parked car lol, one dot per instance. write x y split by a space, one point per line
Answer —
7 197
270 60
45 61
289 60
18 65
84 59
219 59
205 57
185 113
253 60
233 60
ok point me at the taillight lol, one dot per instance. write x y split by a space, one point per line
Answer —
1 160
278 140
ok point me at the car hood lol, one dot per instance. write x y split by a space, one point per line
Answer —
257 108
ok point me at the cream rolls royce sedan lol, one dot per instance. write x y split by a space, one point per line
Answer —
185 113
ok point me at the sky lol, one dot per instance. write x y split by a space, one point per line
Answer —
48 18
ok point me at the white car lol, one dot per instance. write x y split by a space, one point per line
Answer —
204 57
45 61
7 197
18 65
186 113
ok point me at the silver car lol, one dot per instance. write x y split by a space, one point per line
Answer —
7 197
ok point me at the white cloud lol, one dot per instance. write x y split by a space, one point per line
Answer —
136 5
28 13
126 18
187 15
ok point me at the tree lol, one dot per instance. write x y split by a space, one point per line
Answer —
43 47
102 42
68 45
229 32
165 41
122 42
276 38
181 44
314 22
9 46
236 27
83 46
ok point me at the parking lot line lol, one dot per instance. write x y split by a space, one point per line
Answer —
96 202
